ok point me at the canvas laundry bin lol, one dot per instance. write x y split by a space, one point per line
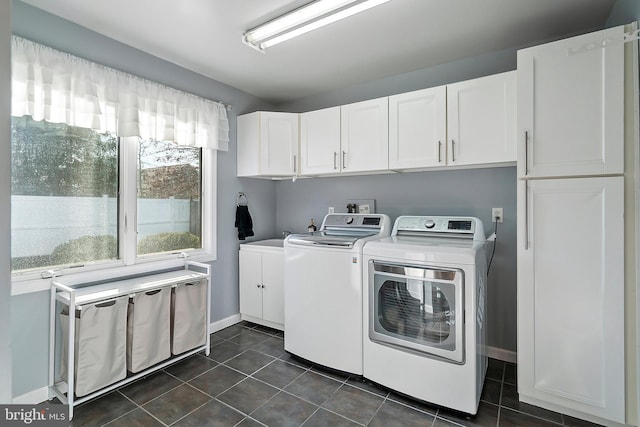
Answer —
99 342
188 316
148 328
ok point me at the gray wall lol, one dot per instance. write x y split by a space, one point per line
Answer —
5 203
624 12
466 192
30 312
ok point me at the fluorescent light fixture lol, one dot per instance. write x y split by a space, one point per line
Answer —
307 18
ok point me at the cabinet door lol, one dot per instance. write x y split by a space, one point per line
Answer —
417 129
571 295
250 278
320 142
481 120
278 143
248 145
365 136
273 291
570 106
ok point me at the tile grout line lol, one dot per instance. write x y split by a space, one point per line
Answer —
137 407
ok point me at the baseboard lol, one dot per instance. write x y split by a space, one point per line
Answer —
224 323
33 397
502 354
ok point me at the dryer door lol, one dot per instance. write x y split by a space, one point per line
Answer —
417 308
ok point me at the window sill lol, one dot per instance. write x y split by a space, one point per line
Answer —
21 286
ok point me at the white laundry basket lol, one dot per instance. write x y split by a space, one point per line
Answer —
148 329
188 316
100 344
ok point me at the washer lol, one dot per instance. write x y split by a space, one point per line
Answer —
424 305
323 290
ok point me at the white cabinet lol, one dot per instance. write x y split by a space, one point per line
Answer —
418 129
570 108
267 144
571 256
262 284
320 151
481 120
571 295
467 123
365 136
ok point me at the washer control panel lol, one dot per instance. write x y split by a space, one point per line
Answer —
469 227
349 221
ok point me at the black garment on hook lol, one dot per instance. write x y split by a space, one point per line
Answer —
244 223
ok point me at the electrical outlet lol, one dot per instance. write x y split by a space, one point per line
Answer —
332 209
363 209
497 215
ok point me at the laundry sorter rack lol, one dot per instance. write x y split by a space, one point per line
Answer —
104 345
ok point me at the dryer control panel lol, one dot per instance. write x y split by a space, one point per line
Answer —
469 227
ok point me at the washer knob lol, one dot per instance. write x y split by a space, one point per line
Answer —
430 223
348 219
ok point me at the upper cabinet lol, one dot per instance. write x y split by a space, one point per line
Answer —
481 120
365 136
320 151
346 139
570 106
467 123
462 124
267 144
418 129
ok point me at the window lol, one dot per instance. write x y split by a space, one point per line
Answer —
169 197
72 199
64 189
94 184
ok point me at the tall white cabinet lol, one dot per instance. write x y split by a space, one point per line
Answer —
571 226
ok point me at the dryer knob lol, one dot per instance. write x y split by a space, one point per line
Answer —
430 223
348 219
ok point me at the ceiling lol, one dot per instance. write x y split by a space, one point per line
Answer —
397 37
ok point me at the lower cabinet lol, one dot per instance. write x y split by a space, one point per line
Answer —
571 296
262 285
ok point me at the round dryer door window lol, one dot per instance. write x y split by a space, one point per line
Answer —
417 308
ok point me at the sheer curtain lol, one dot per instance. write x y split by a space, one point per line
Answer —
58 87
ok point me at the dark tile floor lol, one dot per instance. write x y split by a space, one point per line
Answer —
249 380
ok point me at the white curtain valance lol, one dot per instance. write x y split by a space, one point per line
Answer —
50 85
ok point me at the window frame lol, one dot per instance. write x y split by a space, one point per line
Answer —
129 263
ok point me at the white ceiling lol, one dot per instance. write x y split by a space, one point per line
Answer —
396 37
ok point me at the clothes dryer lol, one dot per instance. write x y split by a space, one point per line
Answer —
424 310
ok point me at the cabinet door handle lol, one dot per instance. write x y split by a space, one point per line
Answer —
335 160
439 151
526 152
258 285
344 161
295 161
453 150
526 215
